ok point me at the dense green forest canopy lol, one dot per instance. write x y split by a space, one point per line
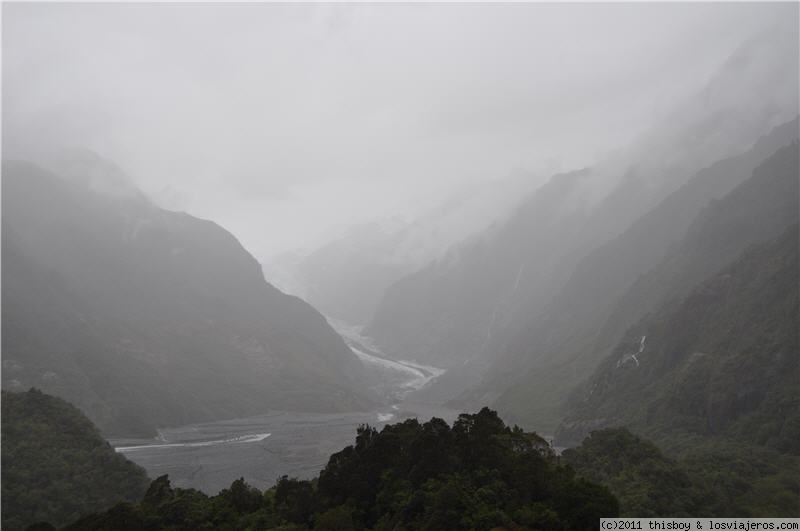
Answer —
714 478
55 464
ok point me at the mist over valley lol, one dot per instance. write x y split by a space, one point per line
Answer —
399 266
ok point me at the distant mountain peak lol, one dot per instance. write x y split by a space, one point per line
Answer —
100 175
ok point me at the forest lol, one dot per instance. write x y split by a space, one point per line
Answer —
478 473
56 466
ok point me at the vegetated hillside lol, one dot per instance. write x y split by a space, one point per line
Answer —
647 483
469 307
55 465
722 362
477 474
563 344
714 479
562 347
144 317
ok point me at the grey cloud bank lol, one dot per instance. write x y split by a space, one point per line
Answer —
288 123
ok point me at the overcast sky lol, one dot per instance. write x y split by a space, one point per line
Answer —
287 123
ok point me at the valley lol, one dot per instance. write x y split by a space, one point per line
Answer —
261 449
283 266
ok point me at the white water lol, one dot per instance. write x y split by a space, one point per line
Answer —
410 375
387 363
418 375
258 437
634 355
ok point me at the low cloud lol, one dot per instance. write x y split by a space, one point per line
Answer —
287 123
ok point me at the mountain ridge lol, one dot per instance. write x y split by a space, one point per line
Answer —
721 362
176 301
583 325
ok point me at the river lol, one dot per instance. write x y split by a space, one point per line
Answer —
210 456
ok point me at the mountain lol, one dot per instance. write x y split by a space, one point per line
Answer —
720 362
144 317
486 302
546 357
608 271
469 307
56 467
346 278
710 375
442 314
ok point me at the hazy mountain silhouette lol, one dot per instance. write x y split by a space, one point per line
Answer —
346 278
560 347
144 317
465 307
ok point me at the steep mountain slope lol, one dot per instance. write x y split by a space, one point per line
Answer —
144 317
444 313
56 467
611 269
468 307
565 342
723 361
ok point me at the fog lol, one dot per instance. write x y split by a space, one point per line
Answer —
238 236
287 124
